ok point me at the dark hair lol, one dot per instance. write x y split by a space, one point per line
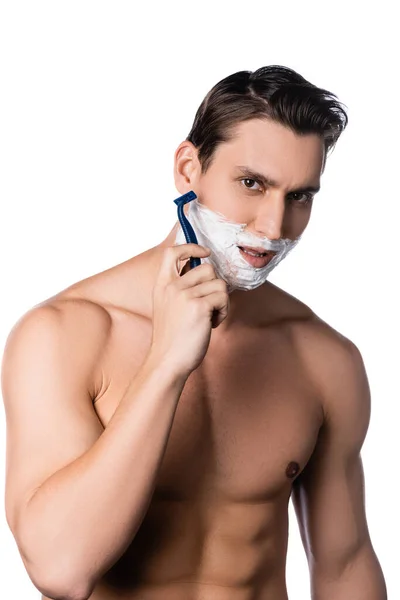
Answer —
273 92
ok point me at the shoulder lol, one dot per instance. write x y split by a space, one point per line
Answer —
335 366
73 312
334 362
75 328
322 345
338 371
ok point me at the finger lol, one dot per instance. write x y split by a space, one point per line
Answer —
192 277
173 257
207 288
219 301
183 253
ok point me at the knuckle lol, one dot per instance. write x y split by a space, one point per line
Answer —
169 250
168 254
197 307
223 285
224 293
209 269
187 294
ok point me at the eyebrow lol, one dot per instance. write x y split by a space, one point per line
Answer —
251 174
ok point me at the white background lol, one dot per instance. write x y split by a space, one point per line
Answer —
96 96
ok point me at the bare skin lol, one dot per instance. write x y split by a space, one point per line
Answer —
246 425
278 408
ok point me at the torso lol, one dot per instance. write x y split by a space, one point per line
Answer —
246 425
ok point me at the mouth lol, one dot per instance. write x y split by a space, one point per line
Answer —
257 257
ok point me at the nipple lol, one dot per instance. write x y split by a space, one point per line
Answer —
292 469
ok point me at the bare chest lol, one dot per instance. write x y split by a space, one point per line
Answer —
246 423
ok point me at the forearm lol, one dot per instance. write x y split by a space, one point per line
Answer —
360 579
80 521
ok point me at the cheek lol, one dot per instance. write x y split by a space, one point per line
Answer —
222 197
296 220
303 216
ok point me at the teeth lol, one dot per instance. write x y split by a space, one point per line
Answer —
253 253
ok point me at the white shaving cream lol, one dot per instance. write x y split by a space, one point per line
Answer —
223 237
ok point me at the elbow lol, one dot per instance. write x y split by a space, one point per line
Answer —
60 587
55 577
59 592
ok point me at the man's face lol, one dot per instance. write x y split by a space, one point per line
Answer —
277 208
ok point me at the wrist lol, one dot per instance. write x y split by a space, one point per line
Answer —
164 368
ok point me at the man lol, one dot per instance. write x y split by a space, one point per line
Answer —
160 417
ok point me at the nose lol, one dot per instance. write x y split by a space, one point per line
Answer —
269 218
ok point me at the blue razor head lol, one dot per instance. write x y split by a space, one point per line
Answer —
188 230
186 198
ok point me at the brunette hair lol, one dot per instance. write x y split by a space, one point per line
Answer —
273 92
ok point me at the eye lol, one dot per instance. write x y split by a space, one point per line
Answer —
302 198
252 182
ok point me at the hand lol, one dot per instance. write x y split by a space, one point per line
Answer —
187 305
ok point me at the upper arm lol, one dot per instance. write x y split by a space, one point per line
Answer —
328 496
47 367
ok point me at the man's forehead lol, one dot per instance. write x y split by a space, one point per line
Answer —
265 133
270 148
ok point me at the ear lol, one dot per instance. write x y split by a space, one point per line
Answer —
186 167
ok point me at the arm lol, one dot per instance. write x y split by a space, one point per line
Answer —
328 496
76 494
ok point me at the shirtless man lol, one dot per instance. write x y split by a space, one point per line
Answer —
159 417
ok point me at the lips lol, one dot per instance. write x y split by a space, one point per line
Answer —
256 261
